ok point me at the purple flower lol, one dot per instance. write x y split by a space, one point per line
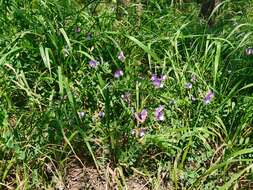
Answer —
81 114
121 56
101 114
158 84
188 85
142 132
118 73
159 114
93 63
157 81
153 77
249 51
142 116
208 98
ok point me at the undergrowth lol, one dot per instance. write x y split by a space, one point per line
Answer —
148 88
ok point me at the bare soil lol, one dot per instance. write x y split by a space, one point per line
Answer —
87 177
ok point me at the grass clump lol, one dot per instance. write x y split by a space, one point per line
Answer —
135 88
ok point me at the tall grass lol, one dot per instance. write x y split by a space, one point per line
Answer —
54 105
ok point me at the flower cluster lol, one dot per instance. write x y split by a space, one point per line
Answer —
118 73
208 98
93 63
142 116
158 114
139 132
158 81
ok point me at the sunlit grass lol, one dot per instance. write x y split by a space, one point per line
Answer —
152 91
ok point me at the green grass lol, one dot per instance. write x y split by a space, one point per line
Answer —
46 83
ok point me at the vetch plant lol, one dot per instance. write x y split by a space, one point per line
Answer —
208 98
188 85
159 113
93 63
142 116
101 114
118 73
158 81
110 113
142 132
